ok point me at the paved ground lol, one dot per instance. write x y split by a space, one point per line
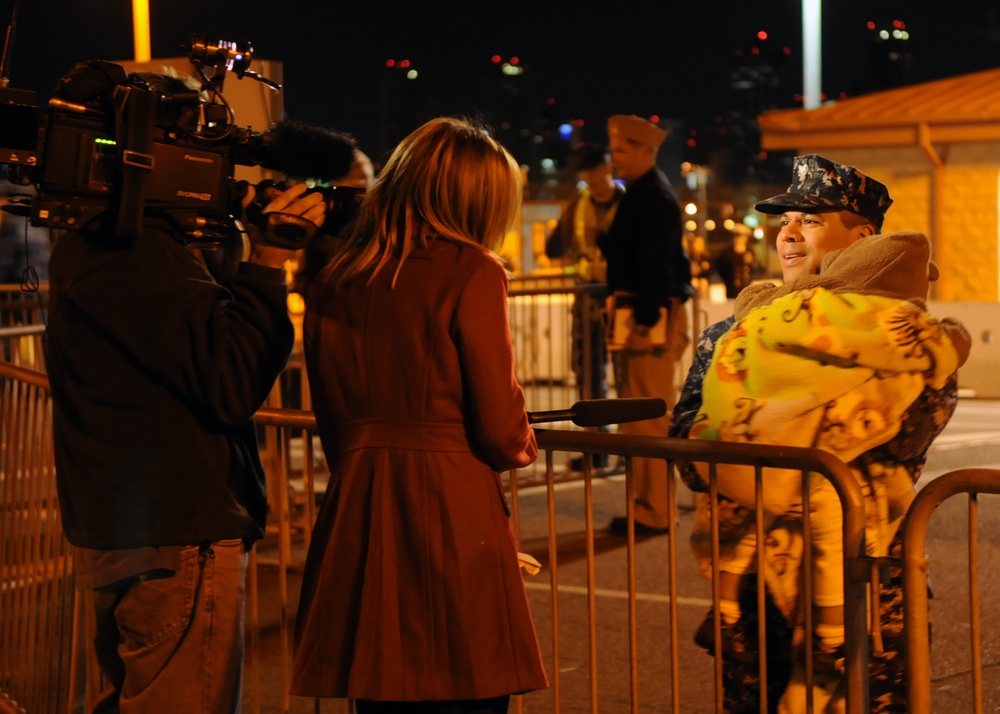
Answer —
971 439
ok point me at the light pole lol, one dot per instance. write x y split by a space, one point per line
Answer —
140 30
812 71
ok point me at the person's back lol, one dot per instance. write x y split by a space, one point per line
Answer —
412 598
396 352
156 372
141 350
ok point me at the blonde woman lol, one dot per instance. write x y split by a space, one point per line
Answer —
412 599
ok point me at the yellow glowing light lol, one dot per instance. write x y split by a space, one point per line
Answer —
709 225
691 226
412 74
729 224
690 209
140 30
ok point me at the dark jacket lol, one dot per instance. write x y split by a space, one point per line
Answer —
644 250
156 373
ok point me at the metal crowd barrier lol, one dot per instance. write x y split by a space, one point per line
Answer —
36 579
972 482
41 665
712 454
43 674
22 322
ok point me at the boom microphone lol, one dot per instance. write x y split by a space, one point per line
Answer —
302 151
598 412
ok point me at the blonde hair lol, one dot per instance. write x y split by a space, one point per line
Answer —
447 179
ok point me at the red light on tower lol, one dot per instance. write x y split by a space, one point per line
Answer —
655 118
515 60
899 24
870 25
495 59
762 35
403 64
390 63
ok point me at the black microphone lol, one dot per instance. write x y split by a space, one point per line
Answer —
303 151
599 412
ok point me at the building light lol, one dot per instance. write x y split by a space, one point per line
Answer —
511 70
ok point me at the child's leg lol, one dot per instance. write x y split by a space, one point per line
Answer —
729 596
827 532
733 565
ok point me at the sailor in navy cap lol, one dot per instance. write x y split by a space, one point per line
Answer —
826 207
647 264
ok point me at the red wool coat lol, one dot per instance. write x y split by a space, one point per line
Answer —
412 589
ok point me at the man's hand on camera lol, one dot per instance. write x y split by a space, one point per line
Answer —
294 201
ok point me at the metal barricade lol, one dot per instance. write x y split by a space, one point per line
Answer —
915 577
36 583
711 453
634 657
22 322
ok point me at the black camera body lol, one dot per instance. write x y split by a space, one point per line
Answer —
82 175
123 146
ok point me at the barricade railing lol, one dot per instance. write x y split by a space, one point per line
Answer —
915 591
656 582
36 582
22 322
558 337
712 454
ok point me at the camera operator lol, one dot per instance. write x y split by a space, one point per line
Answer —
157 369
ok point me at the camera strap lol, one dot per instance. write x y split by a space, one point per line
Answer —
135 112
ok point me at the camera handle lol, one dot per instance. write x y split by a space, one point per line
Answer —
286 230
135 112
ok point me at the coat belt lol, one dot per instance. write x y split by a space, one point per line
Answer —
401 434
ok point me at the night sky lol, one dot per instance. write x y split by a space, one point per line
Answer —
668 58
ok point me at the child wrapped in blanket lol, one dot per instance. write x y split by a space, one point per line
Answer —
830 361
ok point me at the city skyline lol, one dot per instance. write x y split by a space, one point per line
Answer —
673 61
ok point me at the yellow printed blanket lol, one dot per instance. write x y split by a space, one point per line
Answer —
814 368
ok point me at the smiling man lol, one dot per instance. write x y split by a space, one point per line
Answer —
828 206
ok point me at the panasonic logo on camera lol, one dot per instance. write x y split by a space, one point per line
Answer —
195 194
202 159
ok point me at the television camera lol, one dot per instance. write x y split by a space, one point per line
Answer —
115 146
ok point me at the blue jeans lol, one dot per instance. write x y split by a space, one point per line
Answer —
173 641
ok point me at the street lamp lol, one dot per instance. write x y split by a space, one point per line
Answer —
140 30
812 70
